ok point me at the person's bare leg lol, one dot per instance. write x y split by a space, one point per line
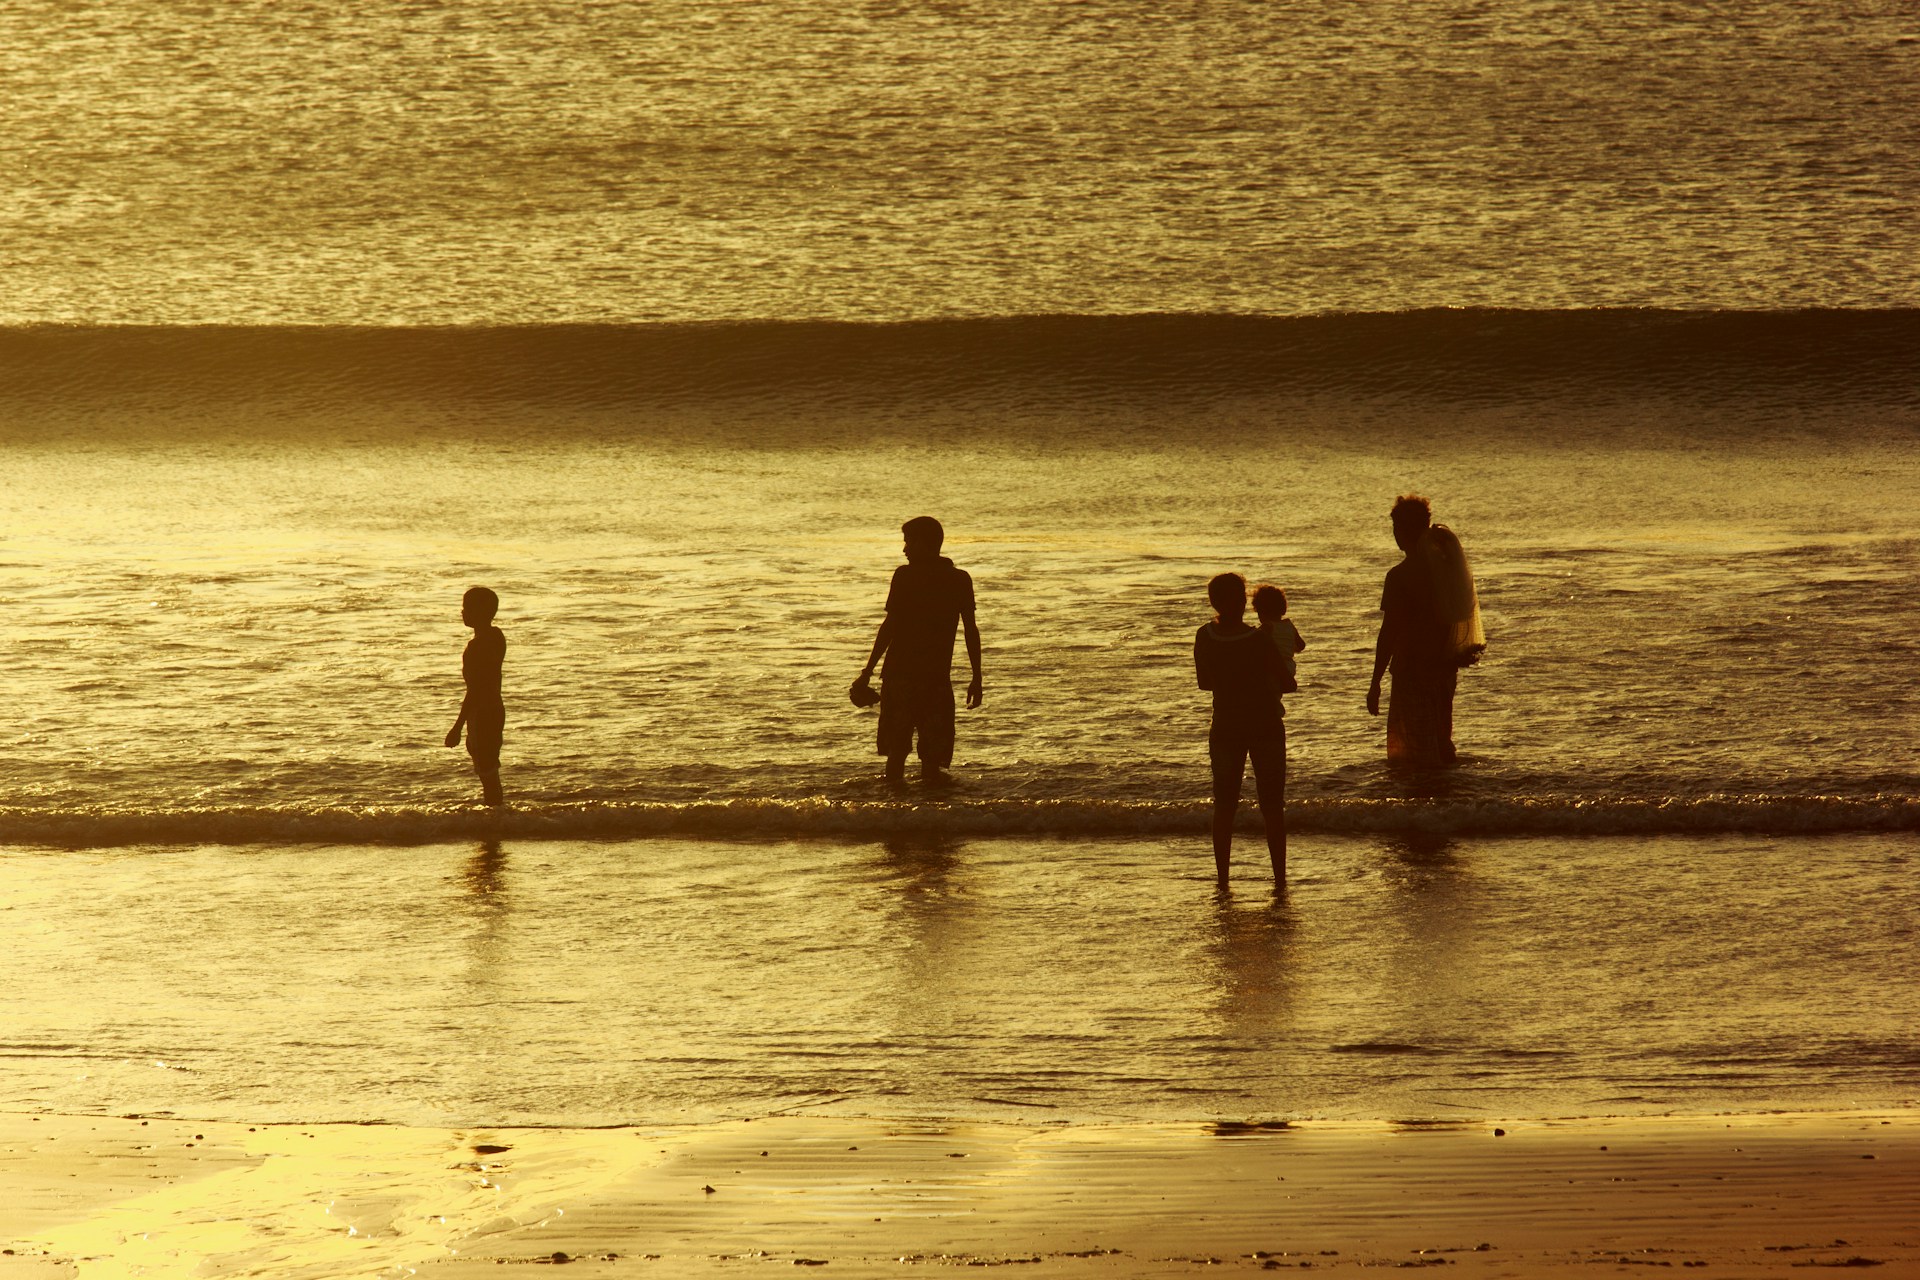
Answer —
1276 819
490 788
1270 783
897 769
1223 814
1226 804
935 756
1273 812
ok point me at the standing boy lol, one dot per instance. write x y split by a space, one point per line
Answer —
928 600
482 713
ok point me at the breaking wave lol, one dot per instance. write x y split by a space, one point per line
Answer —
1478 355
872 820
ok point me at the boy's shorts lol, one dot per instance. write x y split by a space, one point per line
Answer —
919 706
484 733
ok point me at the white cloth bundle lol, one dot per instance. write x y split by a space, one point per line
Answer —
1444 562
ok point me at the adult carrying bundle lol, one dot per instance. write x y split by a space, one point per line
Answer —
1443 562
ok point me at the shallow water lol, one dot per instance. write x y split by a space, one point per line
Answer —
1698 595
595 983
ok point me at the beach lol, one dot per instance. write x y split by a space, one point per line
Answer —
658 322
1067 1056
1730 1195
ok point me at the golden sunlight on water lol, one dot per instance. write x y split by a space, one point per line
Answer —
658 320
240 627
591 983
514 160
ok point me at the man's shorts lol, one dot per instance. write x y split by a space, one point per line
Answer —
917 706
1229 753
485 729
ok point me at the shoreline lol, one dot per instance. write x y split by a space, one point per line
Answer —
1763 1193
962 817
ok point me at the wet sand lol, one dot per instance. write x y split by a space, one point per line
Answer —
1728 1195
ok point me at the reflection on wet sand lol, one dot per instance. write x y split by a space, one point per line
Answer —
1256 969
601 982
930 985
482 882
1421 852
1433 958
921 864
1434 929
482 877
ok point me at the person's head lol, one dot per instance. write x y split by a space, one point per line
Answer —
478 606
1269 601
923 536
1227 592
1411 516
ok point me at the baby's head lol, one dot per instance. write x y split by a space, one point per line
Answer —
1270 602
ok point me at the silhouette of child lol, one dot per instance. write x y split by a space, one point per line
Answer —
482 713
1270 603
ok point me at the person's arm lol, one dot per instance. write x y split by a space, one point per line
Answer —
881 638
460 721
1299 641
1382 653
496 658
1202 668
975 691
1392 615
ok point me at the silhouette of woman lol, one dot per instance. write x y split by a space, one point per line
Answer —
1429 629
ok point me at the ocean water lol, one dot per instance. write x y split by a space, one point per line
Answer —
675 980
513 161
660 319
1674 871
232 564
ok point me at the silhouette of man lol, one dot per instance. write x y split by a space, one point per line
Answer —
1429 628
1241 667
482 713
928 599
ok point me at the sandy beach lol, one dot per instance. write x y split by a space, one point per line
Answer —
1729 1195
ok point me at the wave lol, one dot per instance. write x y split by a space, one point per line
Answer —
870 820
1448 354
